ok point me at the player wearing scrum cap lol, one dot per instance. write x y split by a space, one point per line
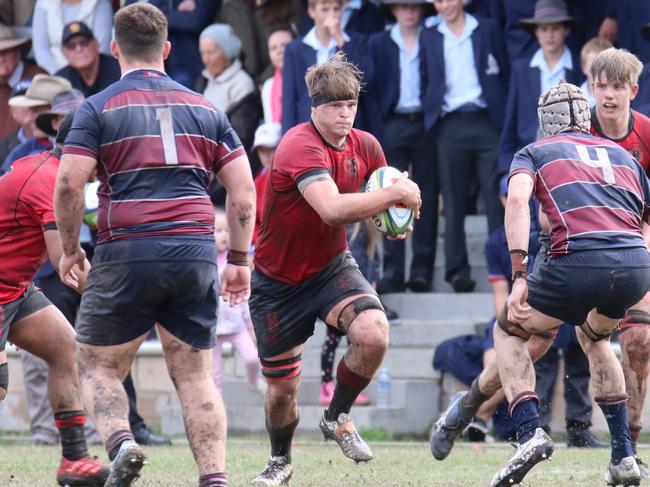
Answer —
303 270
595 197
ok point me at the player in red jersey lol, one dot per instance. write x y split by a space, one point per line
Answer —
28 233
616 74
304 270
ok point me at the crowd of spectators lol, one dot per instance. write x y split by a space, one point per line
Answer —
450 86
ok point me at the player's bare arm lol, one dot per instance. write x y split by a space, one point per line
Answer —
340 209
74 172
517 222
240 210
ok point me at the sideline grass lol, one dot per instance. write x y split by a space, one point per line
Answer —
318 464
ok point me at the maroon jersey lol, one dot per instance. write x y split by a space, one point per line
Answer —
26 210
634 141
294 243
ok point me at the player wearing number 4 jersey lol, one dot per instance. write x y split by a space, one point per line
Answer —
155 146
595 196
303 270
616 73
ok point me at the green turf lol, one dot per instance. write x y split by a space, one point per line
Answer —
318 464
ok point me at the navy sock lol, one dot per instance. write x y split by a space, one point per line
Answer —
616 416
526 419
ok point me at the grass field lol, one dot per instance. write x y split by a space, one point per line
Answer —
318 464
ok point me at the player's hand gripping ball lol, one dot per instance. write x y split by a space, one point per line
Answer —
396 219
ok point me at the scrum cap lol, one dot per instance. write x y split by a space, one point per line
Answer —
563 107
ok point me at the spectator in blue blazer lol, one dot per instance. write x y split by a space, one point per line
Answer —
641 102
632 15
360 16
531 76
464 83
407 145
597 15
316 47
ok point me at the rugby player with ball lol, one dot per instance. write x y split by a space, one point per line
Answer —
303 270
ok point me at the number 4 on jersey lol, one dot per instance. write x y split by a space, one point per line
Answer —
601 161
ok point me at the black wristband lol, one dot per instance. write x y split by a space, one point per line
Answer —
521 252
237 257
4 376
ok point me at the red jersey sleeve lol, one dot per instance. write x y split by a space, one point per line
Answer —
374 153
301 156
38 196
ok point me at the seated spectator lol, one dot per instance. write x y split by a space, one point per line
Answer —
272 87
88 70
21 116
267 138
37 99
225 83
12 71
589 51
186 19
50 17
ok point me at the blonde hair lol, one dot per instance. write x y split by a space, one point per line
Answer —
620 66
594 45
336 79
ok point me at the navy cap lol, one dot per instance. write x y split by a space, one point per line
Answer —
20 88
76 29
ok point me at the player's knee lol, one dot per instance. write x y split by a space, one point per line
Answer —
638 356
371 332
282 394
538 345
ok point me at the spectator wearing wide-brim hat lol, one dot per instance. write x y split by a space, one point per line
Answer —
37 99
548 12
396 56
62 104
12 70
532 75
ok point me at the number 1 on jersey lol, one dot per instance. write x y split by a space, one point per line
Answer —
164 117
601 161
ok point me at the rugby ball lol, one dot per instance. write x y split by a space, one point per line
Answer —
396 219
91 202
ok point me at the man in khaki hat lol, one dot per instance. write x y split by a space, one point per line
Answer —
37 99
12 70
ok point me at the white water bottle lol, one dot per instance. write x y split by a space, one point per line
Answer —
384 384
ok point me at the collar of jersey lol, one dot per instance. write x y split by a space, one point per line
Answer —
333 147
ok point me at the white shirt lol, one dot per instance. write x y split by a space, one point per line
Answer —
547 76
323 53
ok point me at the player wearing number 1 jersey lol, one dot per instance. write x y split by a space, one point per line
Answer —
155 146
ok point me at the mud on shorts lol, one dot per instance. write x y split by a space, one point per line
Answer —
134 284
284 315
570 286
26 304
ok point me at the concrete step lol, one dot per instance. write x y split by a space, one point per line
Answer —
472 307
412 414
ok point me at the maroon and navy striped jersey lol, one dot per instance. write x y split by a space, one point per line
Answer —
593 191
156 145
